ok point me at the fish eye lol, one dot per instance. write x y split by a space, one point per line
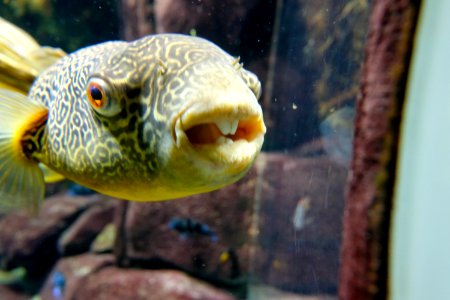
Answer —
100 97
96 95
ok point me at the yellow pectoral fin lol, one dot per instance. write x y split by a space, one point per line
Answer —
50 176
21 180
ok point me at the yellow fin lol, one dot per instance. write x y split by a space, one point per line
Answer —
50 176
21 180
22 58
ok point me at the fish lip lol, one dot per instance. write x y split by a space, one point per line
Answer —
201 113
238 151
193 116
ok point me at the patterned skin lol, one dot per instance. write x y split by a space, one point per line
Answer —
156 135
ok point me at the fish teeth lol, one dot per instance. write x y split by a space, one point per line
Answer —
224 126
224 140
227 126
234 126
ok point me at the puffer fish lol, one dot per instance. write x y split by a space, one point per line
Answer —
162 117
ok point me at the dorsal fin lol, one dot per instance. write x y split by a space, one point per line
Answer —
22 59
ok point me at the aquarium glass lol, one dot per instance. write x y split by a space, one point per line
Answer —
275 234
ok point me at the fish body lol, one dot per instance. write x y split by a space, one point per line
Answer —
188 227
13 276
231 258
159 118
58 283
300 219
75 189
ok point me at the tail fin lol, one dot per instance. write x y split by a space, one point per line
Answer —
22 58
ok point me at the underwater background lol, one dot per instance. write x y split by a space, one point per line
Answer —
273 235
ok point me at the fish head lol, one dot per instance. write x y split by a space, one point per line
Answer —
214 128
168 116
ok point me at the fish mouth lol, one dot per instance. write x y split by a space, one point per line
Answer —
226 134
224 131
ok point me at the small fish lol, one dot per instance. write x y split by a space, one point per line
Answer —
229 256
104 241
159 118
300 220
187 227
58 284
13 276
79 190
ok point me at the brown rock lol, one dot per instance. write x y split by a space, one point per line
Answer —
30 242
269 293
113 283
147 238
7 293
79 236
254 217
76 271
93 277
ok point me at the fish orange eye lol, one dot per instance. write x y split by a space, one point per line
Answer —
96 95
102 97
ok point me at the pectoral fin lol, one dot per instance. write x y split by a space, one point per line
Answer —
50 176
21 179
